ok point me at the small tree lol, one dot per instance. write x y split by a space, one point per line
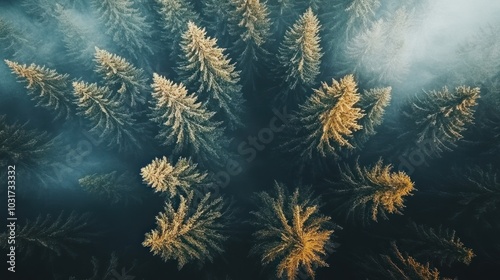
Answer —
299 56
205 69
46 87
292 234
128 81
187 124
181 178
367 194
190 231
109 121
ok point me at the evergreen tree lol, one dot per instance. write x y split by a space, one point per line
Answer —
112 187
397 266
324 124
249 23
441 245
216 18
109 121
292 234
373 103
51 236
208 71
46 87
190 231
175 14
30 150
126 25
359 14
299 57
119 74
438 119
369 193
183 177
187 124
283 13
13 43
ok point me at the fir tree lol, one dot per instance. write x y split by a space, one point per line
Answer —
112 187
180 178
118 73
397 266
109 121
438 119
13 43
292 234
187 124
360 14
175 14
216 18
189 232
324 124
283 13
30 150
51 236
46 87
373 103
441 245
126 25
369 193
208 71
249 23
299 56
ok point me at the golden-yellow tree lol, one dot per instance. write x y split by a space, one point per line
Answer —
205 69
180 178
368 193
46 87
189 231
127 81
326 123
292 235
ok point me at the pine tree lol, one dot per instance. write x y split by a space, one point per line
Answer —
208 71
369 193
397 266
299 56
249 23
324 124
13 43
112 187
109 121
438 119
216 19
119 74
30 150
283 13
46 87
292 233
189 232
181 178
175 14
126 25
51 236
360 14
373 103
441 245
187 124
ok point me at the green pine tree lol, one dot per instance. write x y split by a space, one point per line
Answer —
108 120
250 24
189 231
299 57
128 82
205 69
438 119
46 87
187 124
216 19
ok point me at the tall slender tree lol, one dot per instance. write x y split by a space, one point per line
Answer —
46 87
299 57
187 124
205 69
